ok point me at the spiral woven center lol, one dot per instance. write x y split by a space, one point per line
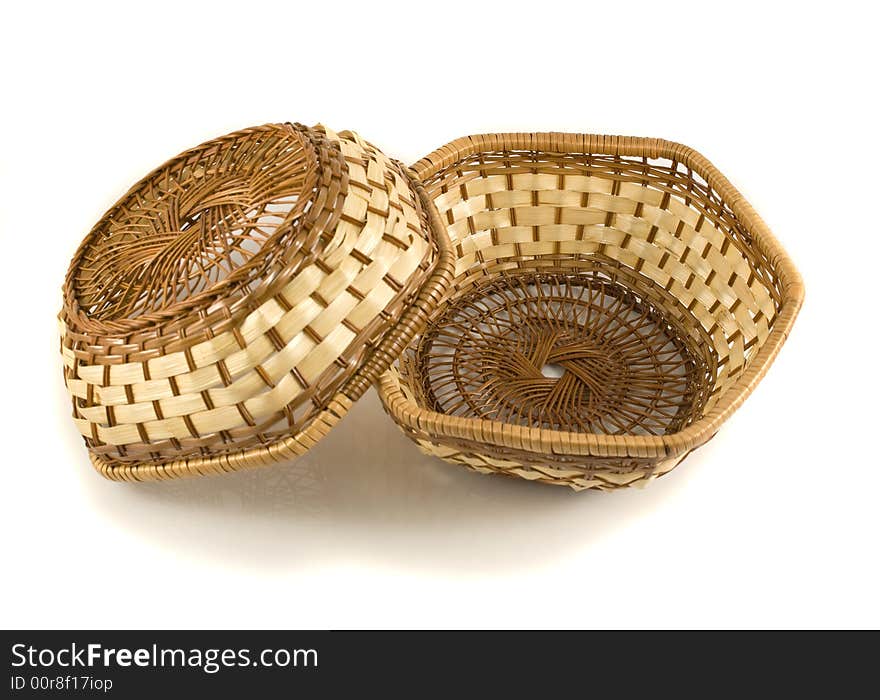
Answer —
211 221
623 368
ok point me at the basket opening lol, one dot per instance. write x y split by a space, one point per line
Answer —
551 370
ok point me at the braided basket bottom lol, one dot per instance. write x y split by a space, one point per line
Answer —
595 349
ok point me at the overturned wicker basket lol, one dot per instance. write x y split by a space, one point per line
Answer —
228 310
614 301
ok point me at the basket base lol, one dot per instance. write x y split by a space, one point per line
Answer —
576 474
601 350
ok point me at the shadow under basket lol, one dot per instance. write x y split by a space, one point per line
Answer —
614 301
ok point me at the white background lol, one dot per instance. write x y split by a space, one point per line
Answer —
772 524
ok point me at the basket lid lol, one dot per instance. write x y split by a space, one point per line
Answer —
228 310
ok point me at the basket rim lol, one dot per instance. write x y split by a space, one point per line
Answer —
501 434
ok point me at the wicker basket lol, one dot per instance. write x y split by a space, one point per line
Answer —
228 310
614 301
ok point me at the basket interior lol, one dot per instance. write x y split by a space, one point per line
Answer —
591 352
592 293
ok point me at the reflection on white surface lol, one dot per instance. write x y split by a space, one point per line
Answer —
367 494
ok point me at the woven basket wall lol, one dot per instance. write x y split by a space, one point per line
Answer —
228 310
614 301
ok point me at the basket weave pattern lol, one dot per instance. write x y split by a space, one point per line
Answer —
231 307
632 266
622 369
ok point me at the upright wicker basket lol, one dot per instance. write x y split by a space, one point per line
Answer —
614 301
228 310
